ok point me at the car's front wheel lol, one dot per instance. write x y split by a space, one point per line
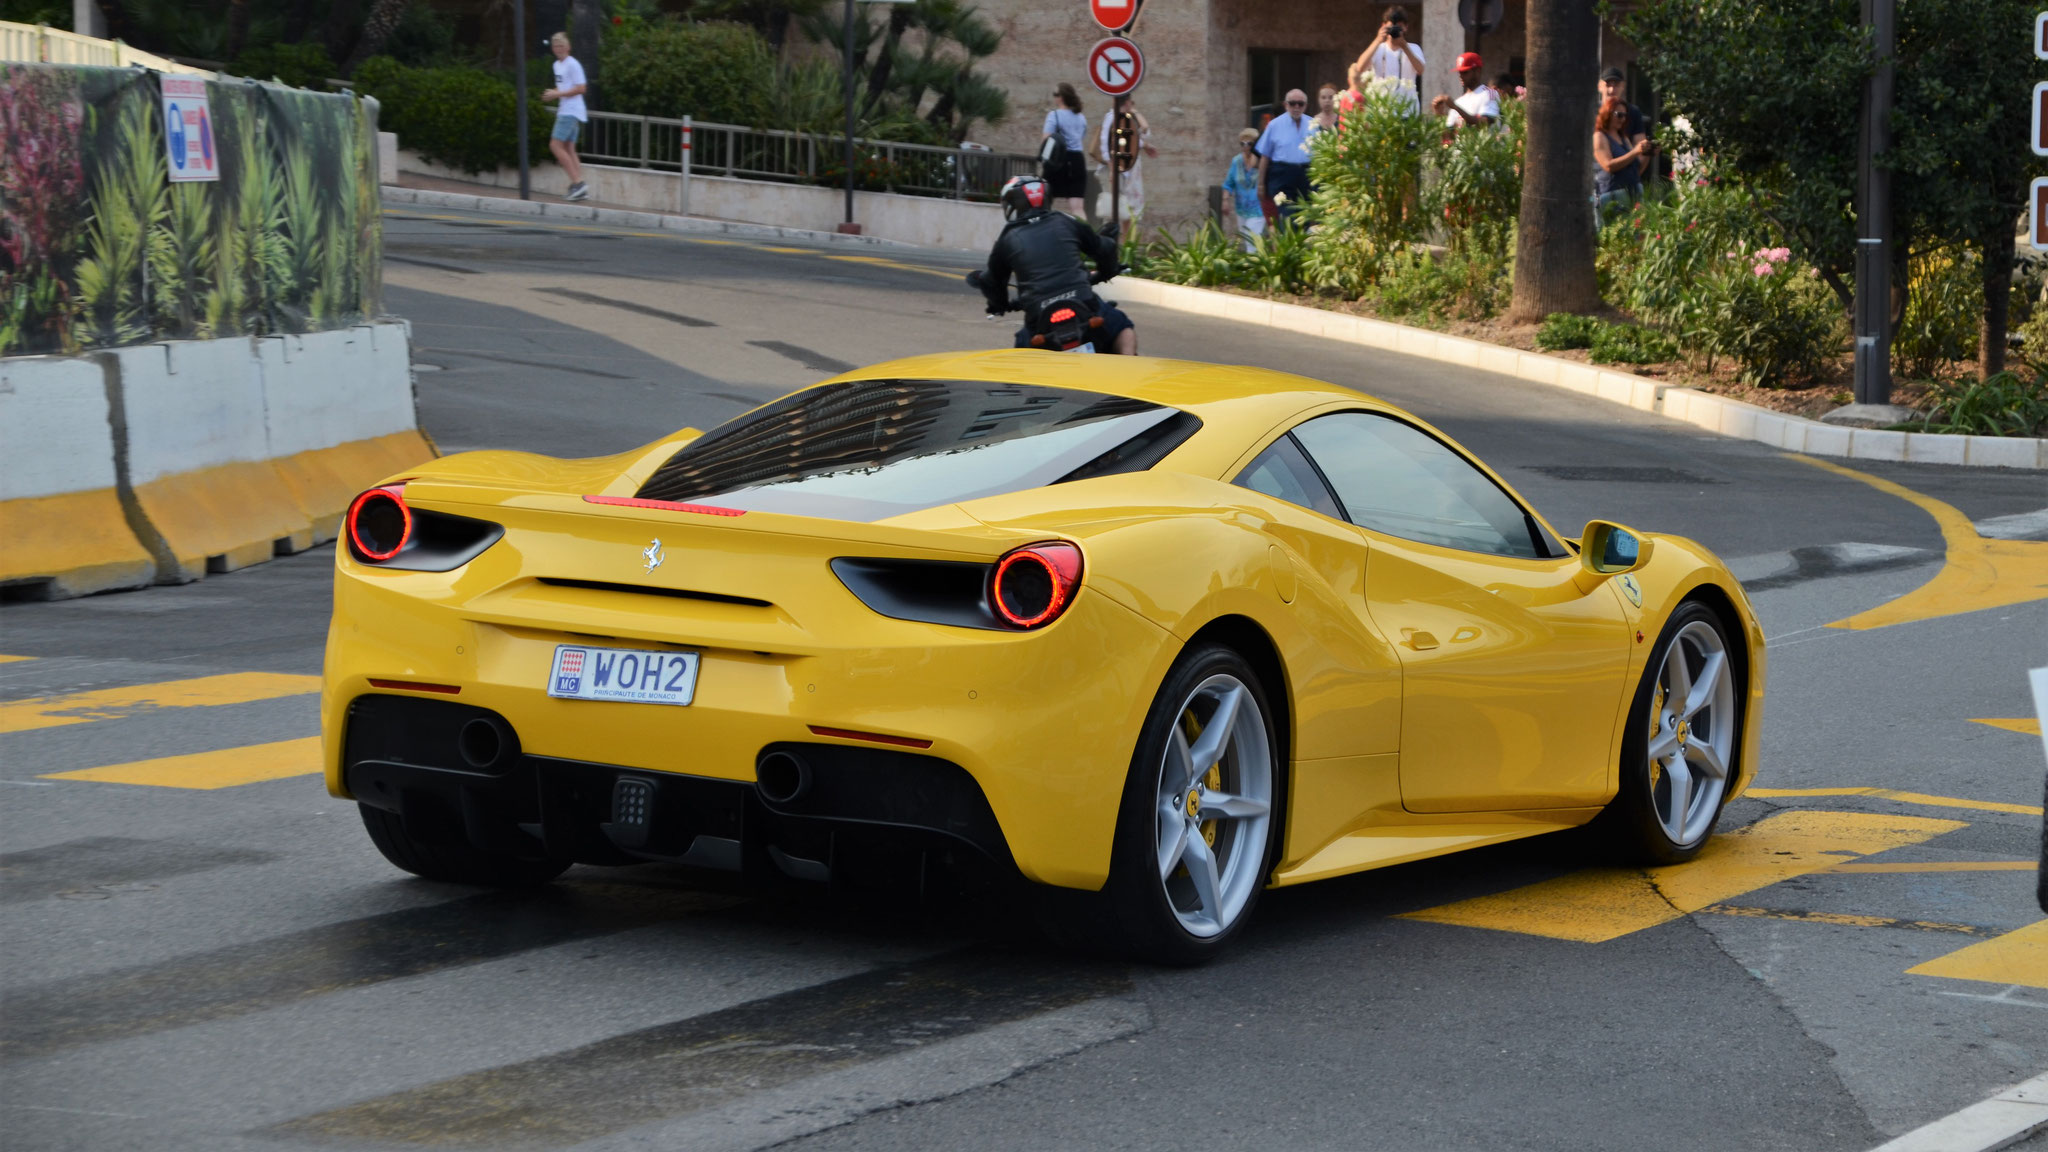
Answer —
1196 834
454 863
1678 753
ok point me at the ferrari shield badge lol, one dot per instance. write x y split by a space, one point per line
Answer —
1629 587
654 556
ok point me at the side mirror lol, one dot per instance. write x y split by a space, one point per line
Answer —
1608 549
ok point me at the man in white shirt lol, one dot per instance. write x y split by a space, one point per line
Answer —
1392 56
1478 106
1283 155
569 114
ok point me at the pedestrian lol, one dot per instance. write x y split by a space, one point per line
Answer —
1326 107
570 113
1392 56
1241 190
1638 127
1620 178
1479 104
1132 183
1066 165
1283 155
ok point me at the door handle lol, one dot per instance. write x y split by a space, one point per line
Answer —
1418 640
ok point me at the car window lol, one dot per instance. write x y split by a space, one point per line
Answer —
1397 479
1284 473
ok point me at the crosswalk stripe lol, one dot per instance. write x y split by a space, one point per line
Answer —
207 770
1602 904
117 703
2015 958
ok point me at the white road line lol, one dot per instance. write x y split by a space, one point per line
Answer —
933 1072
2023 526
2005 1119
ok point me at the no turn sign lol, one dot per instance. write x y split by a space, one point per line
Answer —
1115 65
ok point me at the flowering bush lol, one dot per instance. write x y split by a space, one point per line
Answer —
1776 322
1368 181
42 203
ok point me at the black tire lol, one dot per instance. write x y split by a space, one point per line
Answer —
453 863
1630 827
1139 910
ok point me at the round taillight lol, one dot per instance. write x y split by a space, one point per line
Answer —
379 523
1035 583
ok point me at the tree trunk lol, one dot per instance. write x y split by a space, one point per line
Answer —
383 21
341 28
1998 261
1555 241
238 28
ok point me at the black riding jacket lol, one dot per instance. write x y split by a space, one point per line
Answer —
1044 252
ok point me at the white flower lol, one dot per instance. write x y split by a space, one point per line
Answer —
1279 197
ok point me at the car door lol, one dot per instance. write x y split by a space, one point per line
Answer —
1512 667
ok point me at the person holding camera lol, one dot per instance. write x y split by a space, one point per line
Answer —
1392 56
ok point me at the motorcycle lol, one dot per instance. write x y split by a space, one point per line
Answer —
1067 322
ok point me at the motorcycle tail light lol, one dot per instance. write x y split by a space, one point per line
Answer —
1062 316
1032 585
379 524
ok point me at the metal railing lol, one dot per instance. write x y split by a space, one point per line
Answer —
40 44
657 142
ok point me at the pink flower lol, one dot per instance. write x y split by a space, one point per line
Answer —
1780 255
1521 91
1762 269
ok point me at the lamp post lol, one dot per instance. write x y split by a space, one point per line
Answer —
847 71
519 83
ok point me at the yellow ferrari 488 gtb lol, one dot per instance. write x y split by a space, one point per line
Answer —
1158 632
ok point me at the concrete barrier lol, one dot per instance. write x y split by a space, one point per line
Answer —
164 462
63 530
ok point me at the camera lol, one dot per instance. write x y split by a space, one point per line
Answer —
1397 30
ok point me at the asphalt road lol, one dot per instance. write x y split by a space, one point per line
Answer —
232 966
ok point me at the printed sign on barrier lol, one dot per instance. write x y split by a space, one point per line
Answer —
188 130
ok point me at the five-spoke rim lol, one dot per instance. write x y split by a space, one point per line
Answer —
1215 799
1692 733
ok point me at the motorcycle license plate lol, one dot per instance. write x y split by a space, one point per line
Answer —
627 675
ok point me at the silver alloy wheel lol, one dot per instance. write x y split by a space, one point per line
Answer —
1692 735
1214 805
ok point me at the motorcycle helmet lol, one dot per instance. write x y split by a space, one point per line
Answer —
1024 197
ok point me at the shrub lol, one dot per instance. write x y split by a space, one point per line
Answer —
1207 258
1777 325
1944 301
462 117
1562 330
1629 344
1478 187
1465 285
1277 261
299 65
713 70
2006 404
1368 179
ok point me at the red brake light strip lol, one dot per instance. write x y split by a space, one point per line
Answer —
416 686
876 737
665 505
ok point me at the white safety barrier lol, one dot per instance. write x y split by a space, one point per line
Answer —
63 529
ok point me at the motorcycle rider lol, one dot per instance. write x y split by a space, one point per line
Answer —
1043 249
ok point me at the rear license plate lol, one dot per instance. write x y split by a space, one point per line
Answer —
630 675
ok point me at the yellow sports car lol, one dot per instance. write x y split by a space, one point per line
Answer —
1158 633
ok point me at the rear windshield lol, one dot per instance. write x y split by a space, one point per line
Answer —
871 449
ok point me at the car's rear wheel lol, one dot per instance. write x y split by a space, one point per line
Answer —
454 863
1678 754
1199 821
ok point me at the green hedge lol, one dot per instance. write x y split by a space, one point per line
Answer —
299 65
461 117
714 71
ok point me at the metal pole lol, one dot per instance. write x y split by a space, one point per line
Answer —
1873 308
519 83
687 149
849 111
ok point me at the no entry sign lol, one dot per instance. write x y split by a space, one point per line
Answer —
1114 15
1115 65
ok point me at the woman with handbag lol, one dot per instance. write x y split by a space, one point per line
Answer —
1062 152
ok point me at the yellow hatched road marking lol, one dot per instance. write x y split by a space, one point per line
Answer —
223 769
2025 727
1602 904
1944 866
116 703
1843 919
1901 798
12 659
2015 958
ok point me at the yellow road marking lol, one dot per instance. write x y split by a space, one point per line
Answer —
1602 904
1900 798
795 251
1976 575
2015 958
12 659
117 703
2024 727
224 769
881 262
1844 919
1943 866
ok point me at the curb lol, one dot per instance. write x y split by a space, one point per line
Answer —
626 217
2004 1120
1716 414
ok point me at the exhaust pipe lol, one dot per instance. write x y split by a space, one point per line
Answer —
782 777
483 744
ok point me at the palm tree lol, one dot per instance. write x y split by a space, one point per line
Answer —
1555 240
382 22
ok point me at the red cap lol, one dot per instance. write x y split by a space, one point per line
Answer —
1466 62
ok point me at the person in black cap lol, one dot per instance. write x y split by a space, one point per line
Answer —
1611 82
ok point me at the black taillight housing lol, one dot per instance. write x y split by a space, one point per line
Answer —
1032 585
381 529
